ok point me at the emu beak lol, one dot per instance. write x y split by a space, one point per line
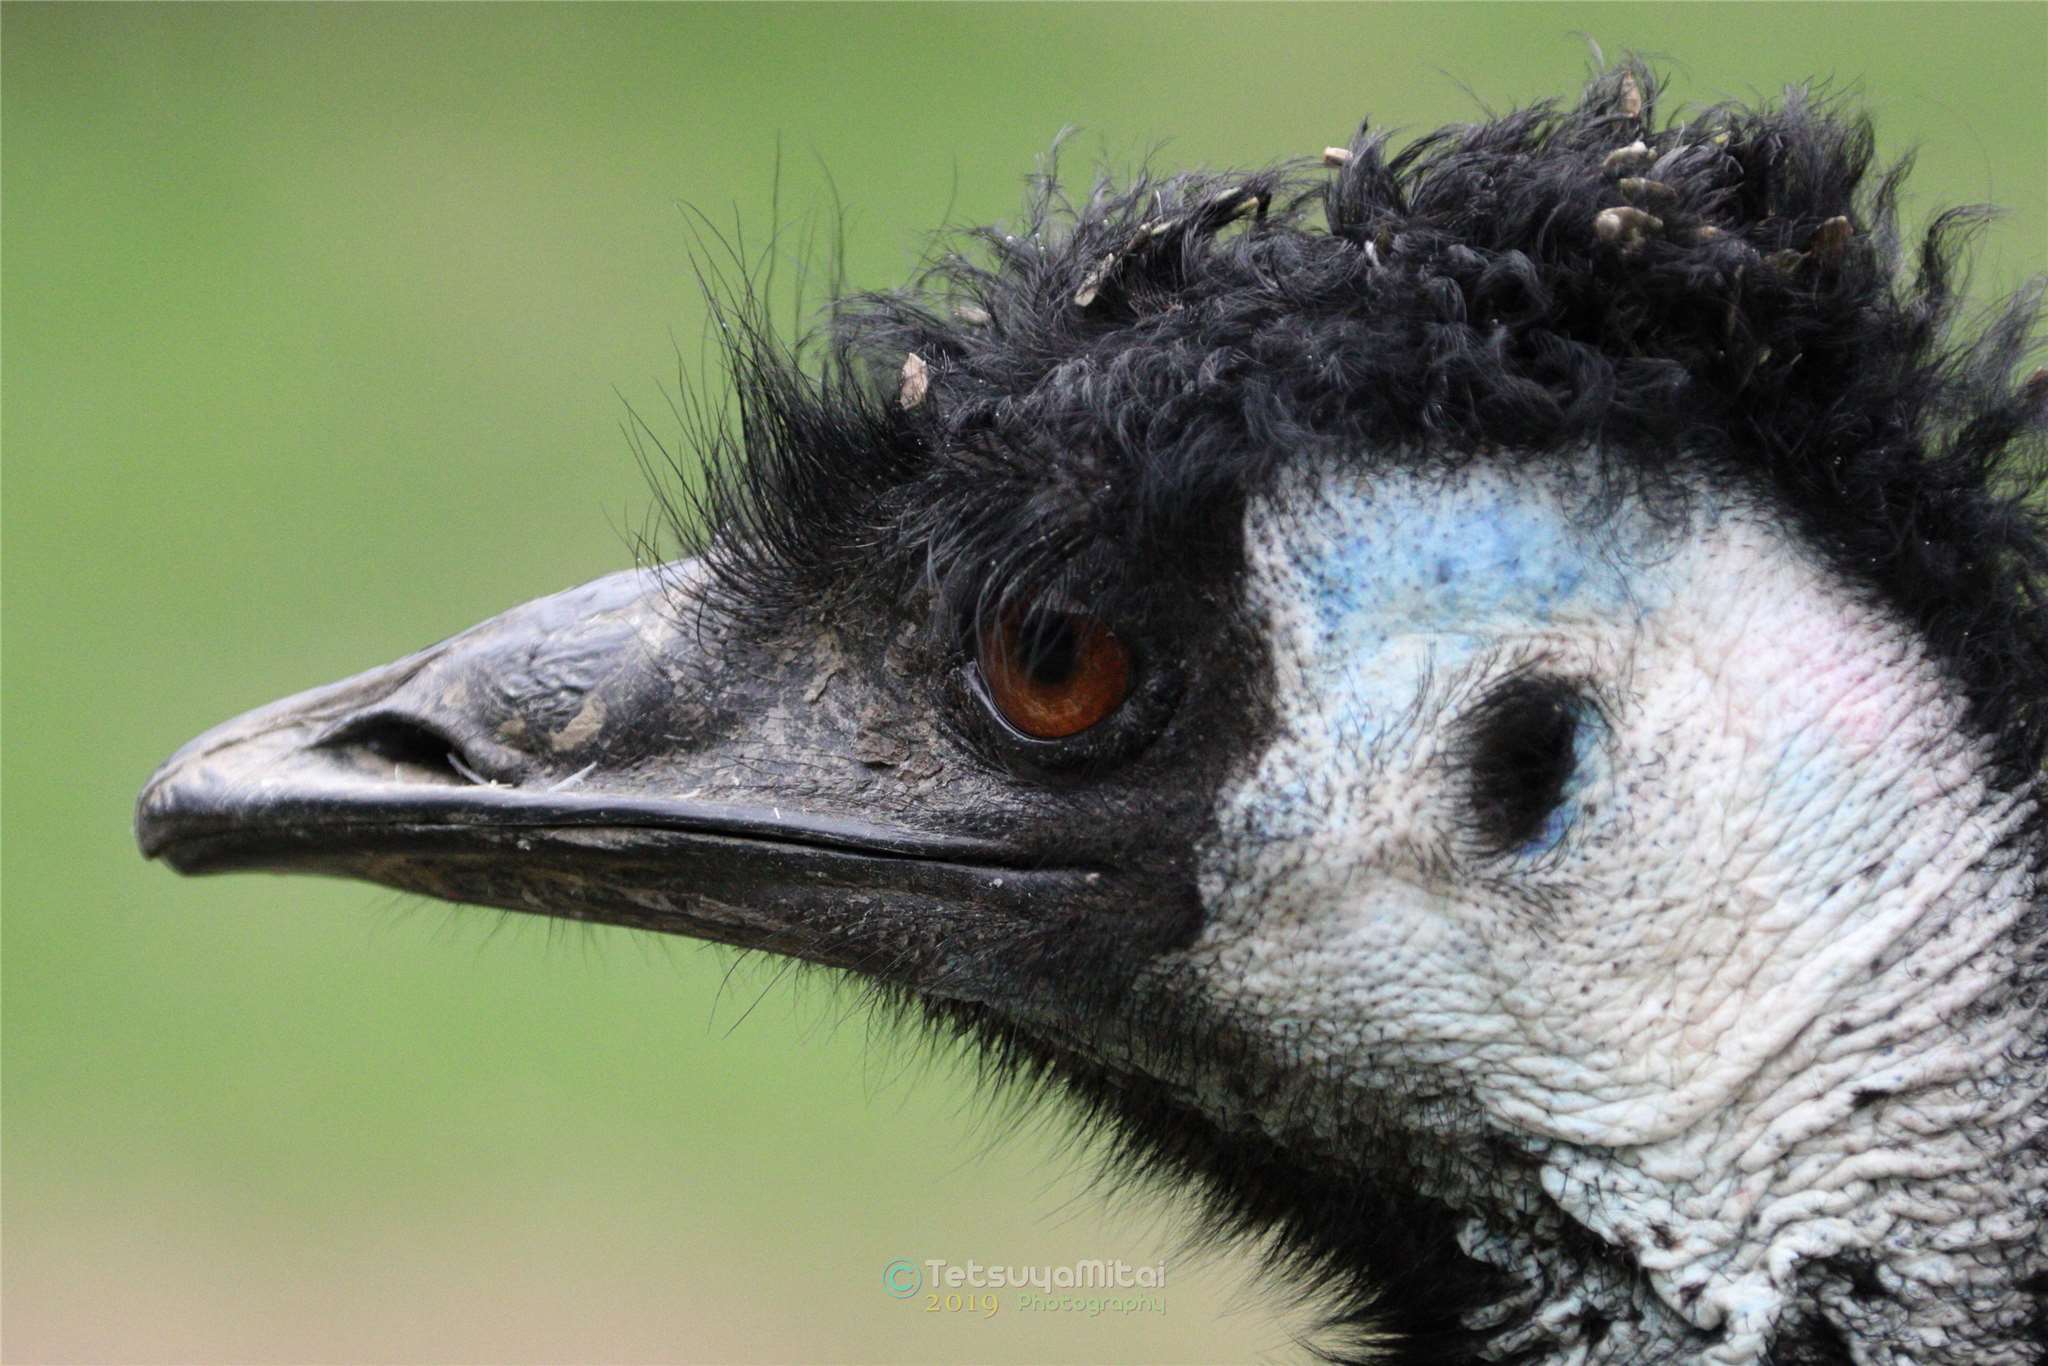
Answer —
584 756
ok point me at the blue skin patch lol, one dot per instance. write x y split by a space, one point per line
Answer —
1411 579
1455 558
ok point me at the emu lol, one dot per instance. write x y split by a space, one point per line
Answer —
1480 707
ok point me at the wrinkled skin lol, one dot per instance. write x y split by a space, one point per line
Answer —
1729 1057
1730 1005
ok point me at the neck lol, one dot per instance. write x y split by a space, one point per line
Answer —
1877 1191
1873 1188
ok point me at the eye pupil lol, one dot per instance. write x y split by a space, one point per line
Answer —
1051 650
1052 675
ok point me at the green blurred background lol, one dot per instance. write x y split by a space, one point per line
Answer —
319 330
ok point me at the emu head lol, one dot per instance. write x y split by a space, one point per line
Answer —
1496 736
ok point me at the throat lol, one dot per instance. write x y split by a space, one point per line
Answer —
1878 1192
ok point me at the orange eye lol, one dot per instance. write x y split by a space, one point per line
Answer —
1053 674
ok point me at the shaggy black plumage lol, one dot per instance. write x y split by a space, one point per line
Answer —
1091 396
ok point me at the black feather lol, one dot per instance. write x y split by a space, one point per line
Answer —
1103 386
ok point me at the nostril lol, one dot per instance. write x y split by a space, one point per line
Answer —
402 749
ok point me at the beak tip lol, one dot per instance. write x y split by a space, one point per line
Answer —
181 800
156 813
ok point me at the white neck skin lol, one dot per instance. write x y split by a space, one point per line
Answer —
1759 1009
